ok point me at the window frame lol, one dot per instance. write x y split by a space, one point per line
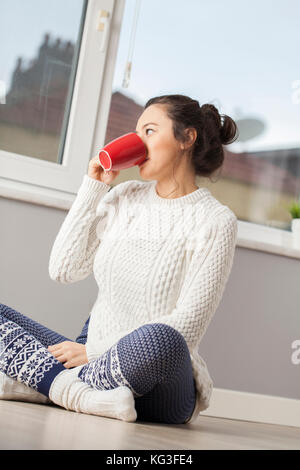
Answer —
56 184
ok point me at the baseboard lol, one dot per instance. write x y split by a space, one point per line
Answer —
256 407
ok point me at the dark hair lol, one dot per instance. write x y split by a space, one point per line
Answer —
213 130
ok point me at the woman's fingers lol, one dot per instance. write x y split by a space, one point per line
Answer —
68 364
64 360
58 354
69 353
55 351
61 357
58 346
55 347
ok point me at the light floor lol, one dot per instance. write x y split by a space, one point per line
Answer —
49 427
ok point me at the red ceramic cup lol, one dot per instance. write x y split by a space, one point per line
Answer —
123 152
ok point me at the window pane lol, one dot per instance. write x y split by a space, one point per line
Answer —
39 48
240 56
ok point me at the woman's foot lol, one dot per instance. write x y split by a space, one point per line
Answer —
11 389
70 392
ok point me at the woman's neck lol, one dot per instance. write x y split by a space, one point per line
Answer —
170 191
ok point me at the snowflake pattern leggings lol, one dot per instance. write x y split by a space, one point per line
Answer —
153 361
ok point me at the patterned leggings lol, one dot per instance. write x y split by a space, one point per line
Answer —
153 361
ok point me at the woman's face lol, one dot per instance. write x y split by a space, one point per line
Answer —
155 129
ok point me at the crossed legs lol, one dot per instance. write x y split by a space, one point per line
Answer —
153 362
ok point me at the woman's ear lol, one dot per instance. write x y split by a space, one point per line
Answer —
191 136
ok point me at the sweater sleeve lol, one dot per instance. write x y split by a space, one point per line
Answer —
202 288
74 248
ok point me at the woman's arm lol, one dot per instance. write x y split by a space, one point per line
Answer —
72 254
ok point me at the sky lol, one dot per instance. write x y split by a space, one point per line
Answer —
240 56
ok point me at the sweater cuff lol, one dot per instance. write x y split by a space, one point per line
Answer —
91 354
103 345
91 190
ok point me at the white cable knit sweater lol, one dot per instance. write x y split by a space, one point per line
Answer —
155 260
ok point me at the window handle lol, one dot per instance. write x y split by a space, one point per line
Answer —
103 25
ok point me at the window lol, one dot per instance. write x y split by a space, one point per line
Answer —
239 56
52 70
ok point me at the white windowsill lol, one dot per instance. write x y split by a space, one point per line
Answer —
35 194
268 239
250 235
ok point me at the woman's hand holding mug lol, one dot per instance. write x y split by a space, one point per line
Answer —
126 151
96 171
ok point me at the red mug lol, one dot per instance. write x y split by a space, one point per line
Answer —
123 152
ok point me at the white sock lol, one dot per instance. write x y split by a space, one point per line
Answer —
70 392
11 389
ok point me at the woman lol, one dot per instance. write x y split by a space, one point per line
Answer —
161 276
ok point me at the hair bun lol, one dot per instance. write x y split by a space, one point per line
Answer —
228 130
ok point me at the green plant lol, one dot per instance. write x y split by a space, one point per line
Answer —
294 210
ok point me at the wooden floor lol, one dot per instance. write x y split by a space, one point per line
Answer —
47 427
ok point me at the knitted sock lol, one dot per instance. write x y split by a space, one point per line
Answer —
70 392
153 361
11 389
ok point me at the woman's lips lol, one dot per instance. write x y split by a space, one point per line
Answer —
141 164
